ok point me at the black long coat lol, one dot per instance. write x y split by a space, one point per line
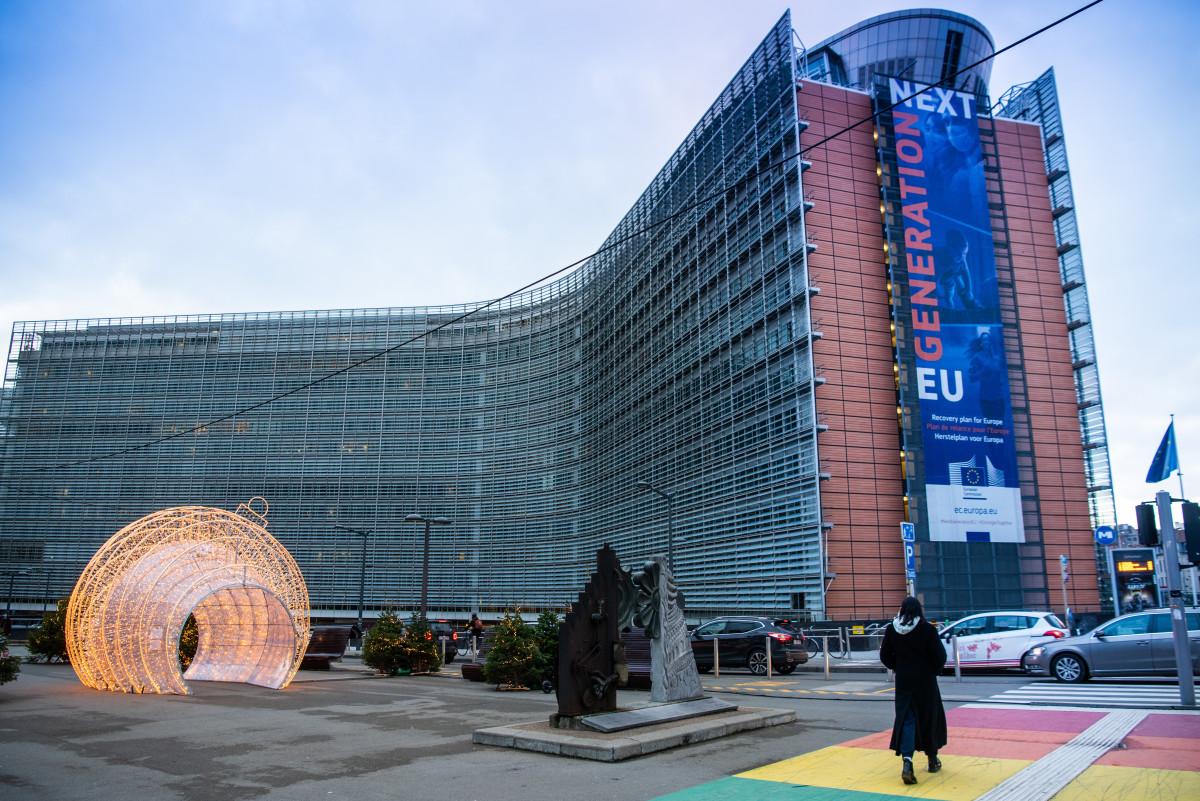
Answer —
917 658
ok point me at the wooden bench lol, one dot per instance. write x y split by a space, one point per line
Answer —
637 654
326 644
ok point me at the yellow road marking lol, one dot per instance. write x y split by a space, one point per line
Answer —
865 770
1116 783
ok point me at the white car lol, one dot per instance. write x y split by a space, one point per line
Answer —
1000 639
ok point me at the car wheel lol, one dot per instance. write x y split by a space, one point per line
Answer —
1069 667
784 671
757 662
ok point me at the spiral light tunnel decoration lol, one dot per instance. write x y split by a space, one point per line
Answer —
133 598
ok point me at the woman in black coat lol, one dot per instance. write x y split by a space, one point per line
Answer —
912 648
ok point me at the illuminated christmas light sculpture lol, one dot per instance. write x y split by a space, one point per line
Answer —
244 589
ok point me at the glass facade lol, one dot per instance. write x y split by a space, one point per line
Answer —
679 355
923 45
1037 101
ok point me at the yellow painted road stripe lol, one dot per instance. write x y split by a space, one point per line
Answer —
864 770
1113 783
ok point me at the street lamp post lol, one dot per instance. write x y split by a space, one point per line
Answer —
441 521
12 576
362 568
646 485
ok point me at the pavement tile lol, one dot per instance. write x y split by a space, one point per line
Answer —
1114 783
873 771
1024 719
982 742
1161 753
1163 725
736 787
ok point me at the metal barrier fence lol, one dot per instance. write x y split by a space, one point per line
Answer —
842 644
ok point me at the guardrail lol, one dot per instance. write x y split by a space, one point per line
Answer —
842 644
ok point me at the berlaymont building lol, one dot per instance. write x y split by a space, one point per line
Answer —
852 299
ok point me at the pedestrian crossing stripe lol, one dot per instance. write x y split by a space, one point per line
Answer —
787 690
1122 695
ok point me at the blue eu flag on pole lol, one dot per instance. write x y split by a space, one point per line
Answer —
1166 460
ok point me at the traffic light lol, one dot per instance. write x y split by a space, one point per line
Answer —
1147 527
1191 530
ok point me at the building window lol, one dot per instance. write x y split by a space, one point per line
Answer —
953 52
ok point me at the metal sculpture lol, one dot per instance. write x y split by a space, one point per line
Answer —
133 598
673 674
590 653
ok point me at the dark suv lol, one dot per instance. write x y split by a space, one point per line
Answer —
743 643
444 628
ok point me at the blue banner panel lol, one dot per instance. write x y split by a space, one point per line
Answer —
971 486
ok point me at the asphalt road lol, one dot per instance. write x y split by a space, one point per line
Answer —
353 735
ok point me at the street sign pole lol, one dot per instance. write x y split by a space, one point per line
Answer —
908 536
1170 547
1065 576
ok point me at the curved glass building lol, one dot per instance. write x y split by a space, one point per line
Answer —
718 381
926 45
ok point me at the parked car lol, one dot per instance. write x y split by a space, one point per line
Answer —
1138 644
999 639
742 642
444 628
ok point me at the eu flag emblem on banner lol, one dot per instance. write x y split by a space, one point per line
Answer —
1166 460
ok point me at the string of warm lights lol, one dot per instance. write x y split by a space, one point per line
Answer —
133 598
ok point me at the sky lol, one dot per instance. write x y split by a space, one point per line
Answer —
162 158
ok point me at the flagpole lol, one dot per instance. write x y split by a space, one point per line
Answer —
1179 469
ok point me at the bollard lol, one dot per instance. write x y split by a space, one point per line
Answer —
825 648
716 659
443 639
957 664
474 647
768 639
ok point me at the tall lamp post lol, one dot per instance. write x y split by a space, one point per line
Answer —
441 521
646 485
12 576
362 567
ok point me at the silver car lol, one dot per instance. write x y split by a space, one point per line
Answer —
1140 644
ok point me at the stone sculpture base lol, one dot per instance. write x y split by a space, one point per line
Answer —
617 746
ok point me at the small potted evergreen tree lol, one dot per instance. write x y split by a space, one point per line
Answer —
545 634
10 665
383 646
49 640
189 639
421 648
514 659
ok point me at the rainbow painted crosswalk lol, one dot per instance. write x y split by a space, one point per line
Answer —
989 746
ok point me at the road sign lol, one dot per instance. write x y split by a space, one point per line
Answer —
1106 535
1063 560
908 532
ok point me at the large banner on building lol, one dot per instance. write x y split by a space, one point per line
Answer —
961 370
